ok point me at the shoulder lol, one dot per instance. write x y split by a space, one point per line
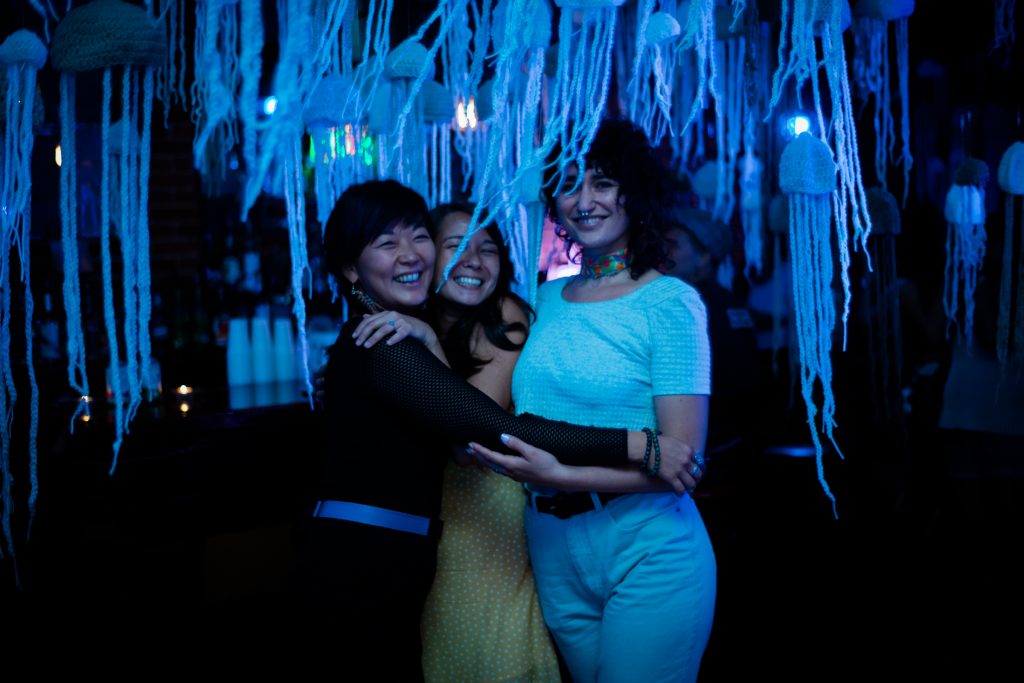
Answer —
552 289
664 289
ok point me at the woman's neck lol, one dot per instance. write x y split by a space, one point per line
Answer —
446 314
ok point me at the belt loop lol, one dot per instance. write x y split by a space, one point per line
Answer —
598 505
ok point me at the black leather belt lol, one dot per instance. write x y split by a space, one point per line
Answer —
565 505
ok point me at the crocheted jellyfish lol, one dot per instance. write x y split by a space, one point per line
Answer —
340 146
170 79
1010 325
872 19
807 174
22 54
113 36
882 306
653 71
438 113
965 244
215 90
806 25
509 109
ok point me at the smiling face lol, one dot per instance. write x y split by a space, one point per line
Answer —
475 275
594 214
394 269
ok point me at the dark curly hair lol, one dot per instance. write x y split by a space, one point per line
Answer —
622 152
457 342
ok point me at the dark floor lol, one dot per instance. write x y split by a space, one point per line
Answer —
919 577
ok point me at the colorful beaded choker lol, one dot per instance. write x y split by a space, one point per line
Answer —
605 265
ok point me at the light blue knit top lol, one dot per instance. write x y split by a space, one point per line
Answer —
602 363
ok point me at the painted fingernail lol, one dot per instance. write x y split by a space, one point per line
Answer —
505 438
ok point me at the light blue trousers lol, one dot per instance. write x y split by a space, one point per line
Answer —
628 591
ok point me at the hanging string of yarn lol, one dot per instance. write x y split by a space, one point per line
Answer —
44 8
105 34
170 80
1010 325
505 190
22 54
872 19
882 307
699 36
965 244
802 22
650 84
214 91
807 174
334 140
437 119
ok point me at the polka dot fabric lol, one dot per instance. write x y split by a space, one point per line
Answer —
482 621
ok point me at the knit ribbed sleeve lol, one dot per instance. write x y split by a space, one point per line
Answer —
680 349
413 381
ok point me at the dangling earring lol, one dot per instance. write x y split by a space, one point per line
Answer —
364 299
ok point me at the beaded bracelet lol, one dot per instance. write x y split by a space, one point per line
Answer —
652 438
653 472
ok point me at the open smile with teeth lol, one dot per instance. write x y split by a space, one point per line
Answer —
588 220
468 281
408 278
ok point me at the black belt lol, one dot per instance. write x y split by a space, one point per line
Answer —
565 505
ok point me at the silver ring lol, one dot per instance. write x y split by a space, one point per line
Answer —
699 459
694 470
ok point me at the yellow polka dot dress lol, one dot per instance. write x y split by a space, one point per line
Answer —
482 621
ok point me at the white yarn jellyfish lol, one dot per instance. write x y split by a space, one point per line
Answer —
882 306
965 244
807 174
1010 326
652 78
804 22
107 34
334 141
22 54
872 19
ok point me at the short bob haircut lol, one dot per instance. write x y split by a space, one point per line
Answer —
622 152
365 211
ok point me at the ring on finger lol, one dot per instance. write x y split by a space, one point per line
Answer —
391 322
695 470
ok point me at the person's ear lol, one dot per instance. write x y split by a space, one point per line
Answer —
349 273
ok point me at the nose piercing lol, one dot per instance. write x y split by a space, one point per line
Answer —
584 214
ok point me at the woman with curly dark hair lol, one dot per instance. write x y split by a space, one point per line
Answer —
624 567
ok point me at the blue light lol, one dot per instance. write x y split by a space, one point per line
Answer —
797 124
270 105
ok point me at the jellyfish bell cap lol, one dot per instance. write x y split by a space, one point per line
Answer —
807 167
1011 169
965 205
327 102
406 60
972 172
437 103
661 27
823 14
23 47
534 30
884 211
106 33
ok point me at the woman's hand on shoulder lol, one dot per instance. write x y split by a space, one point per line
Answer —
394 327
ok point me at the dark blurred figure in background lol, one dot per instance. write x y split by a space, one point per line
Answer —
697 245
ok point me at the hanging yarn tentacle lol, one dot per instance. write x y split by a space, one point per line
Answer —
170 87
883 307
699 35
965 244
101 35
1004 30
807 174
251 66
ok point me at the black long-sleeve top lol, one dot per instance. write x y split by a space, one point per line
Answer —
391 411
